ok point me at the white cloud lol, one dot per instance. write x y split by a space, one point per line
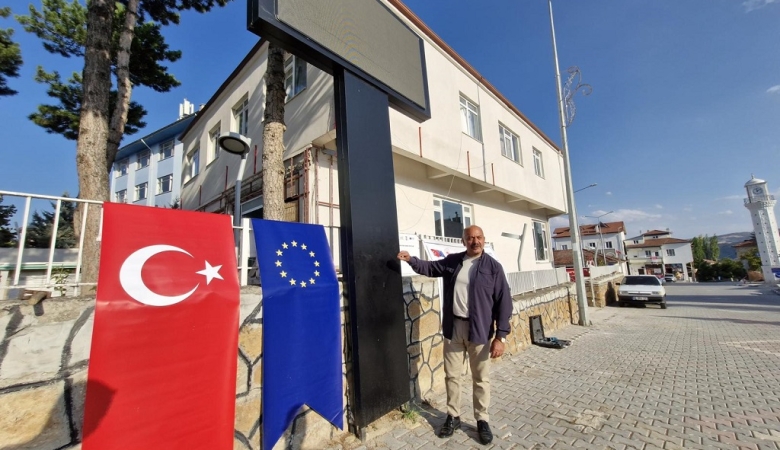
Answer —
687 209
657 206
631 215
774 89
752 5
727 212
731 197
559 221
608 193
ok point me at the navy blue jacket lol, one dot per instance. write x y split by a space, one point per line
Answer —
489 297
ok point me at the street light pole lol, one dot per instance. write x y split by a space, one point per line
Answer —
238 145
573 226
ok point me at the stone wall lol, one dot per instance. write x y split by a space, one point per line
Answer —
45 352
602 291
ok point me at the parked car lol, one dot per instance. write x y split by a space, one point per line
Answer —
641 289
670 277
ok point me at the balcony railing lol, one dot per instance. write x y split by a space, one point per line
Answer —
760 198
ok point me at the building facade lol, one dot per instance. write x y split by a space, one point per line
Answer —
148 171
477 160
656 252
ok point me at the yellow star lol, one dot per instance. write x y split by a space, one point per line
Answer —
303 284
292 282
278 264
284 246
278 253
311 280
317 263
294 244
311 254
303 246
316 273
283 274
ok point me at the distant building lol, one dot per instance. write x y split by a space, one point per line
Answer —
656 252
762 215
604 236
148 171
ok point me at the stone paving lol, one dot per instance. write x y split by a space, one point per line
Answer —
704 373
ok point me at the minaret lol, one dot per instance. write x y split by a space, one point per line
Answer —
762 214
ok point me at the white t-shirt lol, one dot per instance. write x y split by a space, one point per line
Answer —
460 305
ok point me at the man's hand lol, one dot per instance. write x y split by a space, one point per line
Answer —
403 255
496 348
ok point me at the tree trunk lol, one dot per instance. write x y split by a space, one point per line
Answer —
124 86
93 127
273 136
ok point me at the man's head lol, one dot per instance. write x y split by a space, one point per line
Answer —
474 240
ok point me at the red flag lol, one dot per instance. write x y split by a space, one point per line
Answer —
162 368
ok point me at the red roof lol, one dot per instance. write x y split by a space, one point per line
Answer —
656 233
589 230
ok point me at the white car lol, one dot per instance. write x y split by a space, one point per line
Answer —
641 289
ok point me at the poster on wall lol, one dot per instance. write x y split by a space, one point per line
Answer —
435 250
410 243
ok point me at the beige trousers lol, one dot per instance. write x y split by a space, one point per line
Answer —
456 350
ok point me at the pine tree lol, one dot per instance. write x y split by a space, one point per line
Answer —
39 230
714 248
7 233
273 136
10 56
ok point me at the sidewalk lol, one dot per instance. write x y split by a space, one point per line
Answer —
703 374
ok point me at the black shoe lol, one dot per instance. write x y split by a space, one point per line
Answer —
485 435
450 425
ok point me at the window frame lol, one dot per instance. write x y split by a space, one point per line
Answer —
214 149
670 252
123 196
608 244
540 238
648 254
503 133
538 163
465 114
297 67
193 170
144 155
141 187
160 181
164 149
241 116
122 167
467 214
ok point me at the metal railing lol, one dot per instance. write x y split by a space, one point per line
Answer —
35 266
532 281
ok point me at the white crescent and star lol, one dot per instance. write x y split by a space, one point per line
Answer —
133 284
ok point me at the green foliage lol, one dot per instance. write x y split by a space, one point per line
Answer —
40 228
724 270
753 259
7 234
697 247
60 276
10 56
713 248
64 118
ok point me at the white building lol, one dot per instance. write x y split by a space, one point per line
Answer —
148 171
606 237
656 252
762 214
478 160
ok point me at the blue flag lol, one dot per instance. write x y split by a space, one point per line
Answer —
302 353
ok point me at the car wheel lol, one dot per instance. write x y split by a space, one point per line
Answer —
663 305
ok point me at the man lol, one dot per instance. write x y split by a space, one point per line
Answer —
476 296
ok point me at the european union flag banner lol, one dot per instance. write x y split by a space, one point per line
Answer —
301 325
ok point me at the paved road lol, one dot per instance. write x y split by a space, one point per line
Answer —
704 373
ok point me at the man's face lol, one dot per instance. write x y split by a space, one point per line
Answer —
474 240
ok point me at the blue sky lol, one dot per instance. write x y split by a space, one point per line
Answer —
685 102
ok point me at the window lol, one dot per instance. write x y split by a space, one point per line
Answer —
648 253
670 252
450 218
469 118
241 117
564 247
510 144
636 242
294 76
140 191
540 241
657 254
538 165
592 244
165 184
121 196
608 244
214 144
193 161
143 159
121 168
166 150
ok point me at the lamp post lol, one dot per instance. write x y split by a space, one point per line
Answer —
566 116
236 144
586 187
601 237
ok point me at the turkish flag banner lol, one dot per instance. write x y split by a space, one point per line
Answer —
162 369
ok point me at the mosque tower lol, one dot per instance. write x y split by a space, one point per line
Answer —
762 215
